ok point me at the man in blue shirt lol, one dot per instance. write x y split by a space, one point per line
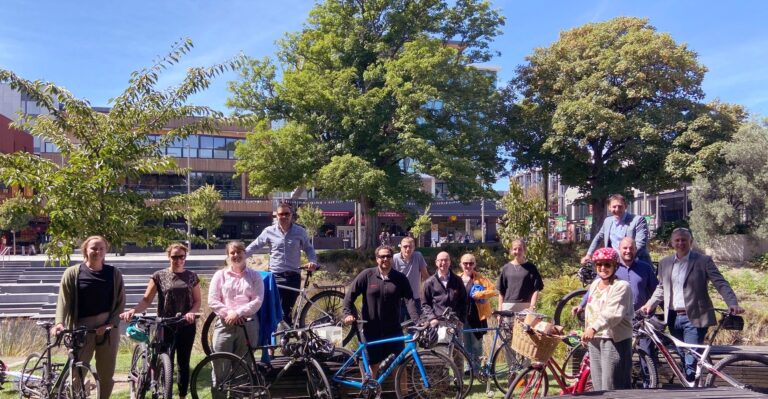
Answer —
286 240
619 225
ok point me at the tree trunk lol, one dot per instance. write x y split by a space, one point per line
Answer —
13 233
598 214
369 239
207 240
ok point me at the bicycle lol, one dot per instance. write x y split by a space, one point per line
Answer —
151 364
567 320
718 374
418 373
500 367
534 381
221 373
3 371
325 306
74 379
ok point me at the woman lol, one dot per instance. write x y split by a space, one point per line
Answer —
608 317
519 282
93 279
236 293
179 291
480 290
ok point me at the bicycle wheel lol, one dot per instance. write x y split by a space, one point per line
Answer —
163 378
505 364
746 368
327 307
80 382
572 361
563 316
136 384
645 374
531 383
31 383
206 335
222 375
443 378
458 354
317 383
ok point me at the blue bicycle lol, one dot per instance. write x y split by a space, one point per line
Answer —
422 373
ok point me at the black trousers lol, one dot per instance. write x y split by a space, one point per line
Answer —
288 297
183 338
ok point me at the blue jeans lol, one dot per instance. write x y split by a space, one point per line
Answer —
681 328
474 348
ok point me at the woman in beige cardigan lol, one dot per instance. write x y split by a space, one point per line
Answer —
608 330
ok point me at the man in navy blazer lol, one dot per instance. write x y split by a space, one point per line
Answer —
619 225
683 279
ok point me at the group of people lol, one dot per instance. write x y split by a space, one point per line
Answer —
399 287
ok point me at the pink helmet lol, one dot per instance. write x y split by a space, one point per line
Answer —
604 254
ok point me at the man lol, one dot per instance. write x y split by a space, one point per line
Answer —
642 280
383 289
619 225
683 288
411 263
444 290
286 240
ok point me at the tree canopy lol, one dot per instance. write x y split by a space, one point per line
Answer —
370 95
15 215
609 105
86 193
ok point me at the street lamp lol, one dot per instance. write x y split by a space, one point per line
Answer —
189 186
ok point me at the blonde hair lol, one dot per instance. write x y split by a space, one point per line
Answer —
238 245
84 244
518 241
176 245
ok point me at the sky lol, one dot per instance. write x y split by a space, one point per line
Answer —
91 47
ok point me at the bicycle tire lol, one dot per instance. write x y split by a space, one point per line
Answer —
206 335
639 374
444 378
566 320
572 361
31 378
325 303
136 377
235 377
749 367
80 382
529 384
318 386
458 354
164 377
505 364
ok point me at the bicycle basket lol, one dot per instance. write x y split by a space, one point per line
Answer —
427 338
137 334
733 322
533 345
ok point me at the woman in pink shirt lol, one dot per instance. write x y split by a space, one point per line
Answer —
236 293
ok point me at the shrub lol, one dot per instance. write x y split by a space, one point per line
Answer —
664 232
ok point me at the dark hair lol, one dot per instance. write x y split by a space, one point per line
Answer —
617 197
380 247
285 205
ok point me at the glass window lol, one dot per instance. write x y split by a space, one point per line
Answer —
174 151
192 152
231 144
219 143
205 153
50 147
220 154
192 141
206 142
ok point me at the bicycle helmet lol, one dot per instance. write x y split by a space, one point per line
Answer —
135 333
477 288
586 273
428 337
319 347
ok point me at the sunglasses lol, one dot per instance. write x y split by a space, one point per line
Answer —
468 263
283 214
384 256
603 264
178 257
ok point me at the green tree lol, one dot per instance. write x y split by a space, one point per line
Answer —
370 95
204 212
311 218
610 102
420 225
527 218
15 215
731 197
86 194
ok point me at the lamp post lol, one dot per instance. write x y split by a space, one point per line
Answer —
189 186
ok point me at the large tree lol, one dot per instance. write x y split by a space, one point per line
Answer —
370 95
86 193
609 102
15 215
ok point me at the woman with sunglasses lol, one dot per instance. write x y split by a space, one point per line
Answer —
608 327
179 292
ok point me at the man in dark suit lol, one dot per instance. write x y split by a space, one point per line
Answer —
683 279
619 225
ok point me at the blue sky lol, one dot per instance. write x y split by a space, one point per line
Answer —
90 47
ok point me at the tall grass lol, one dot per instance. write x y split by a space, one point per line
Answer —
19 337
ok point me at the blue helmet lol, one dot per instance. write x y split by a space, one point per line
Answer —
136 333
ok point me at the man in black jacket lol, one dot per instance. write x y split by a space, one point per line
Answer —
444 290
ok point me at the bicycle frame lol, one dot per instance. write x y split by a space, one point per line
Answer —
410 348
580 385
50 385
497 334
302 299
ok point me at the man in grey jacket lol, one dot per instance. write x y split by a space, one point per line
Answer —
619 225
683 279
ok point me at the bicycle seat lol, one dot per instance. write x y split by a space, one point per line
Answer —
504 313
45 324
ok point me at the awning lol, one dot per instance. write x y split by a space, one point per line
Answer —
336 214
390 214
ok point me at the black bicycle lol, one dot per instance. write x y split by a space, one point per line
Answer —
563 316
151 365
74 379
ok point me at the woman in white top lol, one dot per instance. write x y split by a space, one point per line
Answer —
608 331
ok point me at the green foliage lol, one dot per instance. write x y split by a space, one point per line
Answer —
86 194
201 210
16 213
311 218
605 106
731 198
347 261
371 96
527 219
421 224
761 262
664 232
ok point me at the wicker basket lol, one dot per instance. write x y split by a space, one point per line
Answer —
533 345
